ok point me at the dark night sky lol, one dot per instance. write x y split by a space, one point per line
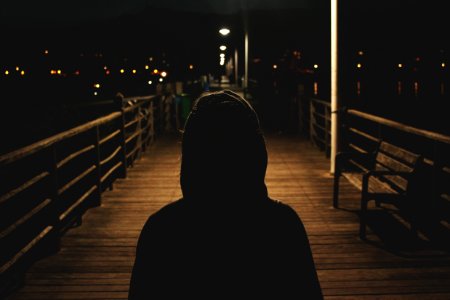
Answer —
57 10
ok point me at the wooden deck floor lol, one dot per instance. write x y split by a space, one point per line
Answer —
96 258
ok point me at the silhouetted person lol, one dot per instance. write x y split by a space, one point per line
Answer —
225 237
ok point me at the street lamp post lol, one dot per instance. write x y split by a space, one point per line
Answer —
334 85
225 32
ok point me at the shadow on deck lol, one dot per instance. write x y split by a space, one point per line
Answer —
96 258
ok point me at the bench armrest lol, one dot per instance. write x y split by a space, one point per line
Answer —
377 173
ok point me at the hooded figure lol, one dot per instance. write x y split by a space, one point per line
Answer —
225 237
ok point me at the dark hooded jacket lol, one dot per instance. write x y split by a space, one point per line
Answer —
225 238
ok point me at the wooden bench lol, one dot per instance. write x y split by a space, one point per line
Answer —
389 175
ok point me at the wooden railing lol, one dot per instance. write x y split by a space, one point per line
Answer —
362 132
46 187
320 124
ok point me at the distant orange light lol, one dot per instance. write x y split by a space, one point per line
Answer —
105 68
400 66
155 71
46 52
360 53
316 66
53 72
22 73
77 72
191 67
359 66
443 65
108 72
275 67
17 69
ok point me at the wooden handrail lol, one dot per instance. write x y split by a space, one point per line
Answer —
406 128
33 148
63 205
322 102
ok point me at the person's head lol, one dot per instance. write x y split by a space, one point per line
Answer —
223 150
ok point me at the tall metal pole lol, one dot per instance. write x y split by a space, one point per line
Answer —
246 47
334 85
246 59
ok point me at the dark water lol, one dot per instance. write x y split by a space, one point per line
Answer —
31 112
413 103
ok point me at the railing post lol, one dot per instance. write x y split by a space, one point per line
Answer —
311 122
139 142
98 166
327 129
123 145
55 185
151 123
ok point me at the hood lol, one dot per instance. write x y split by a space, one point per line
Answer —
223 150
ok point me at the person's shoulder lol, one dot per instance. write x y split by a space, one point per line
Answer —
283 209
165 214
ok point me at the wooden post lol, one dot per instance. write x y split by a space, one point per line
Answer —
98 166
123 145
55 187
327 129
334 85
139 142
311 122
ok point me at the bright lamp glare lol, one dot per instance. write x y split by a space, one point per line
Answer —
223 48
222 55
224 31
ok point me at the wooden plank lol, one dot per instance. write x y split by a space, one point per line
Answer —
77 203
23 187
25 218
76 179
74 155
109 137
114 153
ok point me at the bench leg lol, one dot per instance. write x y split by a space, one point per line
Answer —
364 200
337 176
362 220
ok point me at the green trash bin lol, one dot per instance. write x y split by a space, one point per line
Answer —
185 106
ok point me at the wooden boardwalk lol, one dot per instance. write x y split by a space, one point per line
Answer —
96 258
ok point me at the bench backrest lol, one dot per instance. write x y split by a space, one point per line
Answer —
394 158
